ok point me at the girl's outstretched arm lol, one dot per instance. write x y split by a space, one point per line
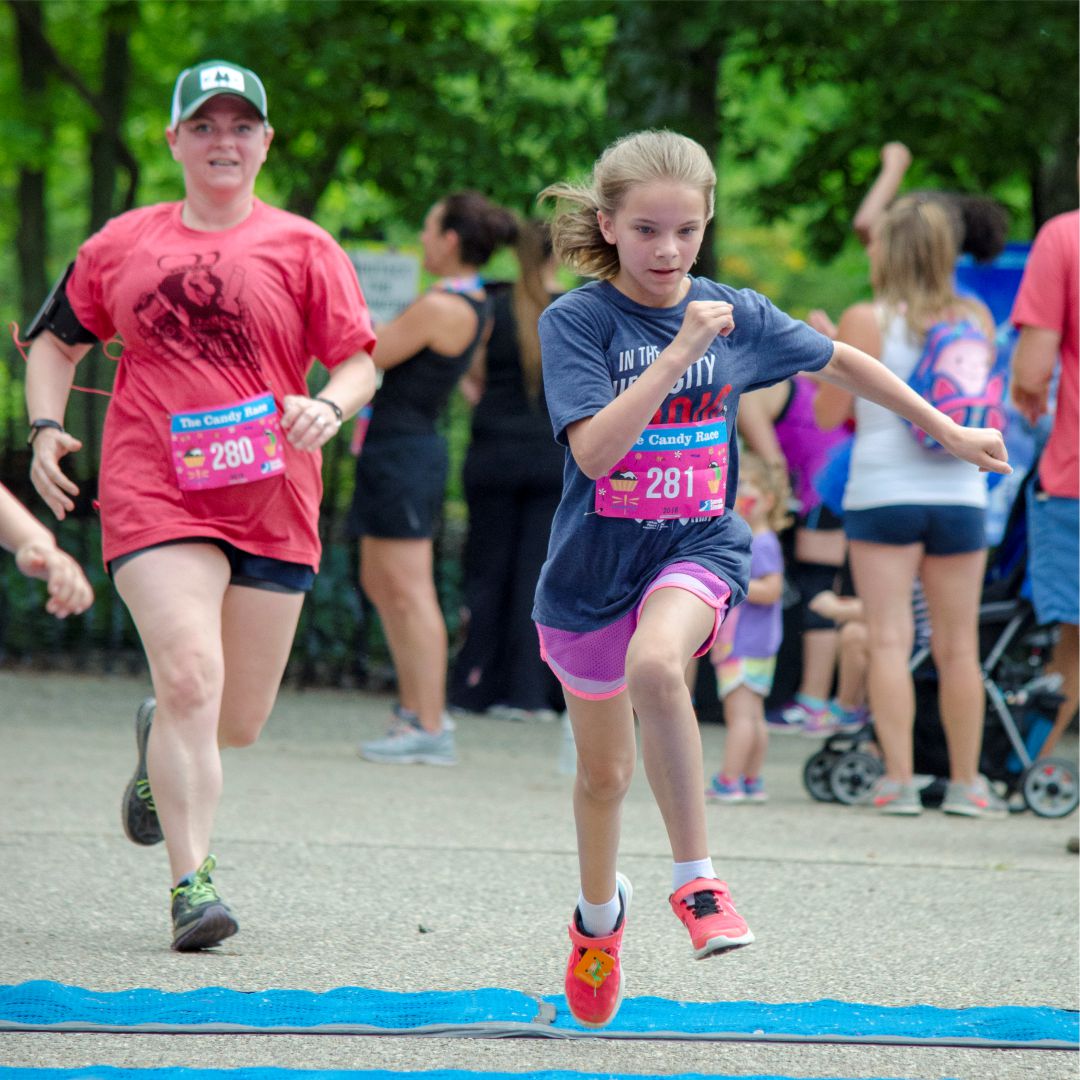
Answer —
861 374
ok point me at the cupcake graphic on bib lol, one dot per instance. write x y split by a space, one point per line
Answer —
194 458
624 480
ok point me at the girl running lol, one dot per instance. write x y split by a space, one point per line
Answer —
643 371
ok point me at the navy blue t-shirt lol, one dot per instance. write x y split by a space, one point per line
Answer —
595 343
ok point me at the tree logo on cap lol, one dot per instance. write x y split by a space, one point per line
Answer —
221 78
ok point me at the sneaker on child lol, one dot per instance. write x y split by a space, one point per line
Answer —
721 789
137 810
200 918
754 789
973 800
594 980
407 743
704 907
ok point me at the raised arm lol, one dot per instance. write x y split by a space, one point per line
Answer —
895 160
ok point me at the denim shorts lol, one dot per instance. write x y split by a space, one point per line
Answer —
252 571
1053 555
942 530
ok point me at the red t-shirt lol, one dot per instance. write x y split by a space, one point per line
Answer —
208 319
1048 298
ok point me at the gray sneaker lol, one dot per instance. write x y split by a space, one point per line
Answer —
973 800
407 743
137 810
891 797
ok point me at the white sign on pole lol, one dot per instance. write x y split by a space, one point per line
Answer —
390 281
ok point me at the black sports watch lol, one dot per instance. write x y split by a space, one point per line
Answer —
37 425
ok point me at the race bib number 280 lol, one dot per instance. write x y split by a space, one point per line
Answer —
227 444
672 471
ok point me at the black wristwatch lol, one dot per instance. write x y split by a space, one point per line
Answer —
333 405
37 425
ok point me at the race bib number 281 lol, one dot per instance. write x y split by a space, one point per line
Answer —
672 471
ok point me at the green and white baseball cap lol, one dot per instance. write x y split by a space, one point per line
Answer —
197 85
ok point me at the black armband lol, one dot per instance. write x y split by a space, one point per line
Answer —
56 316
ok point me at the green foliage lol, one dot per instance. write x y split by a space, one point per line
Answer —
380 107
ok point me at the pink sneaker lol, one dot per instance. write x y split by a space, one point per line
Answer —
705 908
594 981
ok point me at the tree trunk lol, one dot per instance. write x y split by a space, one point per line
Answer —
31 242
105 142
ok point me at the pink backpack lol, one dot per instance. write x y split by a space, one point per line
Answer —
962 373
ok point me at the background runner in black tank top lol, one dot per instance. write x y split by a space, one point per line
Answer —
402 469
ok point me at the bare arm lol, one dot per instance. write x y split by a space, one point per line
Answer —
766 589
50 371
833 405
599 441
895 160
861 374
437 320
1033 363
37 556
312 422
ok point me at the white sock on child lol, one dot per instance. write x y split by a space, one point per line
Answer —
599 920
682 873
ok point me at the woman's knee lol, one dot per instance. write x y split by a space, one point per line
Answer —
188 682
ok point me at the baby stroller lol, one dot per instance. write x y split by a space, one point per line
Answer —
1022 703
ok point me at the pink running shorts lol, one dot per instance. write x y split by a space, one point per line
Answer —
592 664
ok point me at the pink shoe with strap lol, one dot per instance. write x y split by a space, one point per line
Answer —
594 981
704 907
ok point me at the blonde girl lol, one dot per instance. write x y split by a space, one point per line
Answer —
643 371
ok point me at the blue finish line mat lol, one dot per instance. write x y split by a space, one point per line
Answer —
496 1013
107 1072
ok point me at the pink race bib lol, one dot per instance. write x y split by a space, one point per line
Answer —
227 444
672 471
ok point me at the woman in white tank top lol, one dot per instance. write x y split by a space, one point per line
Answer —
913 512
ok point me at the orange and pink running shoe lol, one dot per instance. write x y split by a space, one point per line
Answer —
594 979
704 906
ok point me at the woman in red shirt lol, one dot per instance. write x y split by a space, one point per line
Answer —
210 474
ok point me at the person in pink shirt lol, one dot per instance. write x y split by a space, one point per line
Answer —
1046 314
210 476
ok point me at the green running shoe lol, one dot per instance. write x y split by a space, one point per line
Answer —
201 919
137 811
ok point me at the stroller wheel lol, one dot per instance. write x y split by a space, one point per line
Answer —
816 775
853 776
1051 788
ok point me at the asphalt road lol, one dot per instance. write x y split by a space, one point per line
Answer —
332 865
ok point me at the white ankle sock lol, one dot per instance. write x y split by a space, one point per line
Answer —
682 873
599 920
